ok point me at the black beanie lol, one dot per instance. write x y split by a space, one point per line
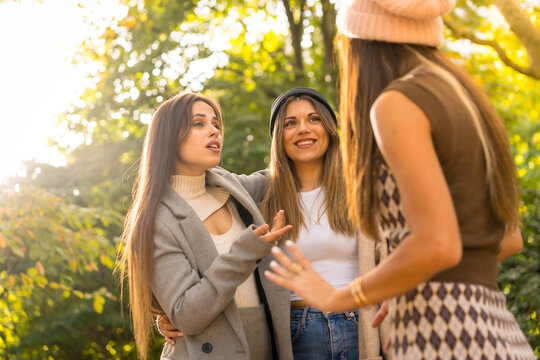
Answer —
294 92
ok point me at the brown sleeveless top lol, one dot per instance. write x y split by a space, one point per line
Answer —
462 159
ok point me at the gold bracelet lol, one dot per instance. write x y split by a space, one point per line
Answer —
361 293
354 292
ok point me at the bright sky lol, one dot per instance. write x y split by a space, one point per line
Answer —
37 79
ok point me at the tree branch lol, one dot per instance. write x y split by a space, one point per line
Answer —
522 26
467 34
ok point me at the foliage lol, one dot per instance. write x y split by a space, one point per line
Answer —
56 273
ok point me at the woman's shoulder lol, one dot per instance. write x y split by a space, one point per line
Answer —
219 170
223 172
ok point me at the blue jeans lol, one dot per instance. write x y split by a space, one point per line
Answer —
316 335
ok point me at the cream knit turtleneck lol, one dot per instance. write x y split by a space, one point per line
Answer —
205 200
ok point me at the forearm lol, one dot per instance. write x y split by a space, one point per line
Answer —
192 303
414 261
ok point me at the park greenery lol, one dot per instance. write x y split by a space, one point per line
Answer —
60 228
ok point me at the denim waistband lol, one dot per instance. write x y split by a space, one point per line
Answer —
309 313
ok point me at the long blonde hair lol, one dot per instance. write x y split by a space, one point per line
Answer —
367 67
284 185
169 128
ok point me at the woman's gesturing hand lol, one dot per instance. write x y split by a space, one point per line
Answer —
277 228
300 277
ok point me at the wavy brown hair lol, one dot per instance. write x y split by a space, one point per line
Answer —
366 68
284 185
168 129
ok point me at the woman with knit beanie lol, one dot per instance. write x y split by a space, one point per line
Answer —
304 178
429 171
191 249
306 181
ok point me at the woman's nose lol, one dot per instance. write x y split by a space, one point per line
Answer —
302 127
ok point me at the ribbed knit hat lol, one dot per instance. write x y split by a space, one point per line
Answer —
295 92
399 21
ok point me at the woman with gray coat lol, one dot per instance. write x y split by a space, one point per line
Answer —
193 240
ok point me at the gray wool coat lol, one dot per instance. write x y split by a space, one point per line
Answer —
195 286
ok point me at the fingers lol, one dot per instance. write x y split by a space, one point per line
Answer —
300 258
283 281
279 269
274 235
388 344
380 315
278 228
261 230
172 333
166 326
279 220
283 258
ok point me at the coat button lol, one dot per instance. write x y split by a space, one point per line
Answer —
207 348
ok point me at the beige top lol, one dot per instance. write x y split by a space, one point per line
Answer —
205 200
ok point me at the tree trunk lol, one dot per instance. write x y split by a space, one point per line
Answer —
297 30
328 32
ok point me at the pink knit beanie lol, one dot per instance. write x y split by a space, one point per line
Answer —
400 21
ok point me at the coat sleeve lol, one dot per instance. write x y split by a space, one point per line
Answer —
190 300
255 184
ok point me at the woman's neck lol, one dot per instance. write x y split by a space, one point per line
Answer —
310 176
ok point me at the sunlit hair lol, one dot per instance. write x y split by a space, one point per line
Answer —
169 128
284 185
366 68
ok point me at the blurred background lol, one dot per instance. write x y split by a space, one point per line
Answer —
79 82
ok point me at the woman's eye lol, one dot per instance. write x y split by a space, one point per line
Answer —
289 123
217 126
198 123
315 119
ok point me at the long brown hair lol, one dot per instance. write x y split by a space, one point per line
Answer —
168 129
284 185
366 68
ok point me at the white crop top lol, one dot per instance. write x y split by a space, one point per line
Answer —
333 255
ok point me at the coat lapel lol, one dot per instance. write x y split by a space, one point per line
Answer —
237 191
195 232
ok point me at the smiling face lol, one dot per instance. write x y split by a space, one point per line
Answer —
201 148
305 138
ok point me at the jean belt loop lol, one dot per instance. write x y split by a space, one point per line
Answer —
304 315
